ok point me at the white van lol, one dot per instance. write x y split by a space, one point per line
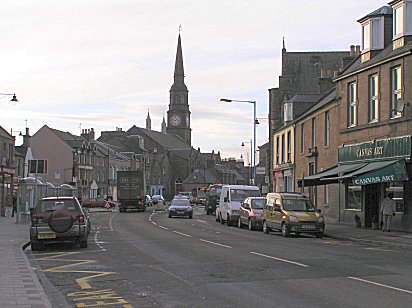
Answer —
230 199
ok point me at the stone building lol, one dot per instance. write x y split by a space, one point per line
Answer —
303 73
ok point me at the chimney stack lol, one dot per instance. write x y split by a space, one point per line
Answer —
357 51
352 51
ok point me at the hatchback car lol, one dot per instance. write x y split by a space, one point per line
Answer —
251 211
180 207
58 219
292 213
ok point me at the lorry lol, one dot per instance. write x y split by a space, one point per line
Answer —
131 194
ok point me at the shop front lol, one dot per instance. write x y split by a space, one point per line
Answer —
374 169
283 178
6 190
366 172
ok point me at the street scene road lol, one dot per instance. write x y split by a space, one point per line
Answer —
150 260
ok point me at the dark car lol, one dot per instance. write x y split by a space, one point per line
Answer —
98 202
58 219
251 212
180 207
213 198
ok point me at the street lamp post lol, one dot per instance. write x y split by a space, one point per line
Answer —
14 99
242 145
255 122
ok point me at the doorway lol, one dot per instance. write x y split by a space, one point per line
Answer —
372 202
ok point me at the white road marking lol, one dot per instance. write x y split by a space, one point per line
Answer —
381 285
182 233
278 259
110 222
215 243
163 227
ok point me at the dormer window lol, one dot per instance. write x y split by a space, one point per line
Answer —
402 18
372 34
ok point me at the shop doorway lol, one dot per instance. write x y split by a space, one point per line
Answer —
372 202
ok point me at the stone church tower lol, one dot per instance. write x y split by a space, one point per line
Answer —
178 115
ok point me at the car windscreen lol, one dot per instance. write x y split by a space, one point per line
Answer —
180 202
258 204
298 205
201 194
242 194
54 205
215 191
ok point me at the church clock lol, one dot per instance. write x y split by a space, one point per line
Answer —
175 120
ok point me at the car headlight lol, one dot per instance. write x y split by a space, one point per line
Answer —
321 219
235 212
293 219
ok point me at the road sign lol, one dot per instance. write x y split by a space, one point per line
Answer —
260 170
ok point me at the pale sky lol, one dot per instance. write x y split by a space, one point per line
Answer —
103 63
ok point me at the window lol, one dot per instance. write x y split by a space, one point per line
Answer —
289 146
397 21
277 149
302 138
313 132
352 112
327 128
326 195
283 148
373 98
366 32
396 90
354 198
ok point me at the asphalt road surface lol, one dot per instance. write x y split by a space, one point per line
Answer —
150 260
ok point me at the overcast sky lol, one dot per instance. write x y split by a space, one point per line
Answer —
103 63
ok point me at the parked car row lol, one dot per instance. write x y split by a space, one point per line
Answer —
286 212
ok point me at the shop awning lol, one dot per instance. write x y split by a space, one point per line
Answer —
377 172
322 178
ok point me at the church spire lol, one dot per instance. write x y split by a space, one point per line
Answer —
148 121
163 125
179 75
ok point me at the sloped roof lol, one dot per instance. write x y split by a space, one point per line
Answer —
168 141
384 55
5 134
72 140
384 10
326 99
202 176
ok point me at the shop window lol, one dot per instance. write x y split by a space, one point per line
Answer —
397 189
354 198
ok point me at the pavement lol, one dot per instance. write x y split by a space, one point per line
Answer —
20 286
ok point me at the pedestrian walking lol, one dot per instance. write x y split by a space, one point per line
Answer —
388 208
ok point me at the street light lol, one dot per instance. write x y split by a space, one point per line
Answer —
255 122
242 145
14 99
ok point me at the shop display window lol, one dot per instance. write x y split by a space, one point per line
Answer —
354 198
397 189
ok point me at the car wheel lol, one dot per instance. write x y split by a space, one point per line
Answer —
221 219
285 230
228 221
250 225
83 244
207 212
265 229
170 216
191 216
319 234
239 223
